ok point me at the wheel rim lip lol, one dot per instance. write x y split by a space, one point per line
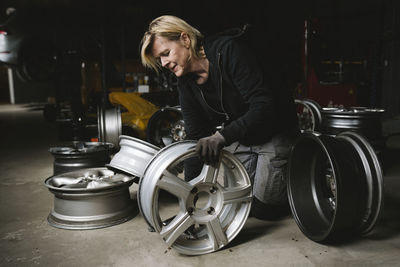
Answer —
109 124
353 110
113 129
293 206
316 109
351 113
149 212
133 156
376 182
89 226
80 191
100 123
93 147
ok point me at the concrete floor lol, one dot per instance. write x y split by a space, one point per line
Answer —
26 238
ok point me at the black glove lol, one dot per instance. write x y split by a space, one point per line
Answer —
209 148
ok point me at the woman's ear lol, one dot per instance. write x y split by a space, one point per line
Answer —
185 39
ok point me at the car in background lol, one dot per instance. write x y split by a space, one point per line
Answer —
9 43
38 42
26 45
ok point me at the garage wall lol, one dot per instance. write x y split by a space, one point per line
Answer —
391 61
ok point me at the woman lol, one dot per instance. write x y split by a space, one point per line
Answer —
222 85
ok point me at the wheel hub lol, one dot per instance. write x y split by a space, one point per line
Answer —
204 202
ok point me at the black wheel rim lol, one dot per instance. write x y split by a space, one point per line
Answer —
334 186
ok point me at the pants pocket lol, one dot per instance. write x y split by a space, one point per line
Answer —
275 192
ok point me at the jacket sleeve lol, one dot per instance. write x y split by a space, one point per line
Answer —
240 67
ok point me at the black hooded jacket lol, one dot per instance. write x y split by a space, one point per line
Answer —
248 101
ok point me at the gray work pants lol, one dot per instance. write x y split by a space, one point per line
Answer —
266 166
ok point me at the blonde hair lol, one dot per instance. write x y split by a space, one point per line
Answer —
169 27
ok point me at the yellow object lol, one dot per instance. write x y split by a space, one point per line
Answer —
135 111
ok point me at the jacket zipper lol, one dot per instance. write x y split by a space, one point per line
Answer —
220 86
202 95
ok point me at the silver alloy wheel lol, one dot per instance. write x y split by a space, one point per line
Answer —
209 211
90 198
133 156
109 125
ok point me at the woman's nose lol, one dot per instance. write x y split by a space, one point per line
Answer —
164 61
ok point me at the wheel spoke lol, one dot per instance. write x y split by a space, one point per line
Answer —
237 195
174 185
176 227
210 174
216 234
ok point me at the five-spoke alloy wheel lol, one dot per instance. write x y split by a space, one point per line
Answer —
197 216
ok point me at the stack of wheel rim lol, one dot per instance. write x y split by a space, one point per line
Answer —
366 121
335 186
91 198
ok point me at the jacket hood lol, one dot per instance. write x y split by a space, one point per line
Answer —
213 44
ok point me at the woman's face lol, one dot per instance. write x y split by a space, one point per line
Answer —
173 55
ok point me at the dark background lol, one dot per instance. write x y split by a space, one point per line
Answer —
360 30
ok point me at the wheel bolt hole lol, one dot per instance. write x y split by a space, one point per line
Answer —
210 210
213 190
194 190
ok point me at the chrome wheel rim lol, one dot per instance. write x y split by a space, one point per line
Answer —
224 191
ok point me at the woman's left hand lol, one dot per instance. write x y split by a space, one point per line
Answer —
208 148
